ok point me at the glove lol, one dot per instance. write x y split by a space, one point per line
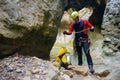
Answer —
64 32
92 29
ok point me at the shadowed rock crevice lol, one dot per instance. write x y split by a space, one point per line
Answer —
97 16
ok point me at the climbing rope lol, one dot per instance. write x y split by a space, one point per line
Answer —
82 30
87 51
65 41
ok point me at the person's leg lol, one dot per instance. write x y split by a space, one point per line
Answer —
79 52
89 58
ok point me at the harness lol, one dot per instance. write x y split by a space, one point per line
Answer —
79 26
83 39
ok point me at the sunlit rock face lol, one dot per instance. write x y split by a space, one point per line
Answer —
29 26
111 28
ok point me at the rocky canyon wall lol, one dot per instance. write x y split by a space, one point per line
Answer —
29 26
111 28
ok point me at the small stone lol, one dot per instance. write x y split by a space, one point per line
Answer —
34 71
16 58
66 77
19 71
26 78
19 65
28 73
44 72
105 73
56 64
37 76
107 39
69 73
11 69
35 58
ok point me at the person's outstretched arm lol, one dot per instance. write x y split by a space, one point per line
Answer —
89 25
70 30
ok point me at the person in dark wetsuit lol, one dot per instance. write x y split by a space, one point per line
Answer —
81 27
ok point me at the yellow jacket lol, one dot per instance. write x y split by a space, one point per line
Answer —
61 55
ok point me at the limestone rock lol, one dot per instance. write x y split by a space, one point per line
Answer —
110 27
80 70
29 26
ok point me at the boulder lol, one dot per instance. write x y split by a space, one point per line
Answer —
29 26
